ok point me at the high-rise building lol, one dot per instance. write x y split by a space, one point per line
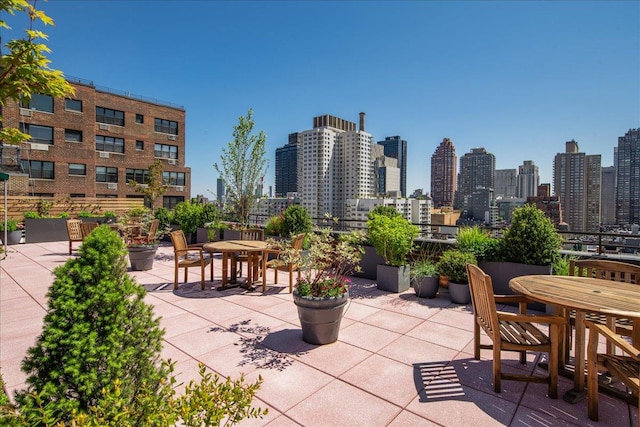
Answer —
628 178
528 180
287 166
334 165
608 196
91 145
547 203
505 183
477 170
386 173
576 181
396 147
220 190
443 174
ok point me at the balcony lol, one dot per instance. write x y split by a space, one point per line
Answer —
398 361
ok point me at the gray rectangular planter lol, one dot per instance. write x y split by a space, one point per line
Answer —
393 279
231 235
45 230
369 263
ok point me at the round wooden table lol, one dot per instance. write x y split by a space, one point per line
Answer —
584 295
229 249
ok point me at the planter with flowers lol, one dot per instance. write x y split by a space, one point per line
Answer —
13 231
322 291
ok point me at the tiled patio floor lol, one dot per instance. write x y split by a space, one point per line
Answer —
399 361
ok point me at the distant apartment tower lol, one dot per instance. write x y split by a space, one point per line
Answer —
608 196
477 170
396 147
443 174
547 203
628 178
505 183
220 190
334 165
576 181
287 166
528 180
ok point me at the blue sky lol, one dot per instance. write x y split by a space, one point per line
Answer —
518 78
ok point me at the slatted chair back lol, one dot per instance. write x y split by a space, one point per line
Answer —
606 269
179 242
87 228
298 241
153 230
483 302
74 231
252 234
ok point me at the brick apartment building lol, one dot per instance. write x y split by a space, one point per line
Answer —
92 144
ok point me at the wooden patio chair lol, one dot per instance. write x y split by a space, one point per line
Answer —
608 270
87 227
186 256
248 234
74 231
153 230
279 264
512 332
624 367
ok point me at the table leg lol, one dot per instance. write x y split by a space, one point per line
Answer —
578 392
635 333
225 268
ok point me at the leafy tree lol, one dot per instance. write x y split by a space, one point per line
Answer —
295 220
243 164
24 69
388 211
97 330
154 186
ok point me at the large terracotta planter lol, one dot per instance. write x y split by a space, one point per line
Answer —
393 279
320 317
141 257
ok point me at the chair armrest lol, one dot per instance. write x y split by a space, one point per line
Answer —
612 337
187 250
511 298
532 318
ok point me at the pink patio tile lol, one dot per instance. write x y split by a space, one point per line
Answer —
409 419
449 403
391 321
20 310
357 311
367 337
12 374
254 324
223 311
411 305
341 404
410 351
285 311
22 328
257 301
183 323
233 360
202 340
377 373
284 388
334 359
172 352
273 418
451 316
444 335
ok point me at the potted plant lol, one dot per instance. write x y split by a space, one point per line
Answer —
393 239
211 224
273 226
189 217
453 264
14 231
40 227
141 245
530 245
322 291
424 278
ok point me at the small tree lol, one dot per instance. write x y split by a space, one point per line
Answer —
243 164
295 220
24 69
153 187
97 330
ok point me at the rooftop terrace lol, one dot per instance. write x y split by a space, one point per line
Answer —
399 360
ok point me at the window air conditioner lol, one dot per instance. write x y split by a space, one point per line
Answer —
112 186
171 137
26 112
179 188
104 154
171 161
41 147
103 126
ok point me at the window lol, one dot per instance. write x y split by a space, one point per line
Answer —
39 103
106 196
139 145
38 169
72 135
173 178
165 151
170 202
39 134
109 143
106 174
77 169
138 175
72 195
166 126
109 116
73 105
139 118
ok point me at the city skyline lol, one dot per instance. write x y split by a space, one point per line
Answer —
517 78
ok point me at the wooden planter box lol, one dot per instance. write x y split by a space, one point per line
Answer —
45 230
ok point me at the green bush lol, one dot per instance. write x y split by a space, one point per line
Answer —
296 220
393 237
12 225
165 216
453 264
31 215
476 240
423 268
188 216
531 238
389 211
273 226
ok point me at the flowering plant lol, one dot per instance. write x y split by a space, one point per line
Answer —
324 266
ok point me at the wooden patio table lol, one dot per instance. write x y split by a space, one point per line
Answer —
229 249
584 295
